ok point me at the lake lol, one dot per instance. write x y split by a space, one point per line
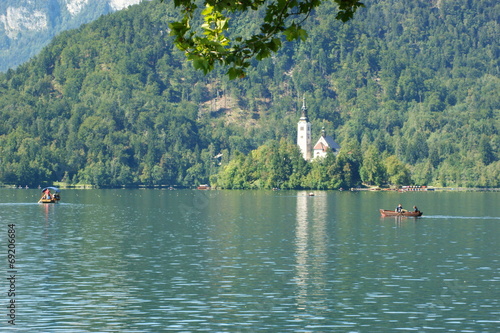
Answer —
149 260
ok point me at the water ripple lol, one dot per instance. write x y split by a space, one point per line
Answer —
249 262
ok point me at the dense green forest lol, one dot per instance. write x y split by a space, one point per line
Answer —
409 90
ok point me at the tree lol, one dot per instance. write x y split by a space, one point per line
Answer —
397 172
210 44
372 171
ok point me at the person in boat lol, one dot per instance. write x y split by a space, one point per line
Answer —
47 194
415 209
399 208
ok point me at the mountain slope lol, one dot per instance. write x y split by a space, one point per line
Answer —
26 26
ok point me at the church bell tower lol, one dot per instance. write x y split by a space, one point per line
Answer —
304 133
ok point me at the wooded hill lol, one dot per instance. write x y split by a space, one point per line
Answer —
410 91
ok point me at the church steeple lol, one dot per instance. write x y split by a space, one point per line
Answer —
304 133
304 110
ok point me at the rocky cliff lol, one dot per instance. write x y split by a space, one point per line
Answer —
28 25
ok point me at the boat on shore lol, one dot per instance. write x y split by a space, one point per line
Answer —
387 212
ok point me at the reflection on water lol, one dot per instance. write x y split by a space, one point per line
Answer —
310 253
301 251
246 261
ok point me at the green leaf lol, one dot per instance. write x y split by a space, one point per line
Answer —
201 63
274 45
208 10
292 32
235 73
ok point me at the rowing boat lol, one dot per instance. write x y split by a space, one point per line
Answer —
387 212
50 195
47 201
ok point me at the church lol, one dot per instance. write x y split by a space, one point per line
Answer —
304 139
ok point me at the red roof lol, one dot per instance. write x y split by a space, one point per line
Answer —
329 144
321 146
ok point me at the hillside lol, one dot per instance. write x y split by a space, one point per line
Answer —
405 89
27 26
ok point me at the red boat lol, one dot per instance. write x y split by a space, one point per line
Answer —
386 212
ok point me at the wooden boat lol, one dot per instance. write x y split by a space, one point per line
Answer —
55 195
48 201
387 212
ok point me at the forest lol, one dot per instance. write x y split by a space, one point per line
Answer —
409 90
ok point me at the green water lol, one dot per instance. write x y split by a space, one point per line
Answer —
252 261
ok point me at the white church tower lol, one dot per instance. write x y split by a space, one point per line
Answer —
304 133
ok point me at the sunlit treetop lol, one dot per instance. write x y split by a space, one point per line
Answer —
209 43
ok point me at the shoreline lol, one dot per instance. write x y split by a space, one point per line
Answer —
354 189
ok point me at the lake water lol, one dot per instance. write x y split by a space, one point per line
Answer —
251 261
